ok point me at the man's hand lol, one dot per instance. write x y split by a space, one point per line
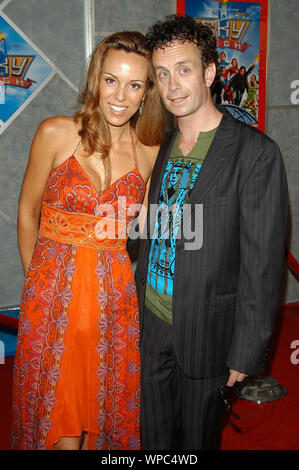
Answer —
235 376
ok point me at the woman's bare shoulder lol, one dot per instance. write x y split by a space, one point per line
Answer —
58 126
147 156
57 136
54 140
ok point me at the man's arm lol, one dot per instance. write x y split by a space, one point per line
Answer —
263 218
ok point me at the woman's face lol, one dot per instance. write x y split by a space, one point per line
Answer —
122 85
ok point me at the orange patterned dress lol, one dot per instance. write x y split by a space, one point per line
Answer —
77 361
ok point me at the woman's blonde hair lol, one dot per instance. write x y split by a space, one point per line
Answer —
149 125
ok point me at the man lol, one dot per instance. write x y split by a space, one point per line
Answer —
220 81
239 83
252 95
207 309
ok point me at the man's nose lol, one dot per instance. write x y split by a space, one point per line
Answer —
174 84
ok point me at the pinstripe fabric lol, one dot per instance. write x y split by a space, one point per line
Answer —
160 413
177 412
226 293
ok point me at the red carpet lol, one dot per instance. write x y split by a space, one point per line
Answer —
5 402
274 426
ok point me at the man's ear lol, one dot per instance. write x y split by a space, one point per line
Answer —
210 74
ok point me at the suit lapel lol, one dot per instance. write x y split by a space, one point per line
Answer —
218 156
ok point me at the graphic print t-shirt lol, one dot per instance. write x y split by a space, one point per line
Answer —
179 177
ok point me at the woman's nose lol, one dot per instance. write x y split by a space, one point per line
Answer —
121 94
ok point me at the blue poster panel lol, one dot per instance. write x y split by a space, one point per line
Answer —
240 27
22 71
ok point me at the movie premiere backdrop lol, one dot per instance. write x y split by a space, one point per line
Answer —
240 27
23 72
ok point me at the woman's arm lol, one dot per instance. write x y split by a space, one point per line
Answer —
39 166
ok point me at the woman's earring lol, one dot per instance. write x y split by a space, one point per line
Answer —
141 106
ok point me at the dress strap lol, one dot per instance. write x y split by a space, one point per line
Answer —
77 147
134 150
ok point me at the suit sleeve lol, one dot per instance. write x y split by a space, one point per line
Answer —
263 219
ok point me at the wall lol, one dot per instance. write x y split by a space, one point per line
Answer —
283 114
57 28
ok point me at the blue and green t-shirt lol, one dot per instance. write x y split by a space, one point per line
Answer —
179 178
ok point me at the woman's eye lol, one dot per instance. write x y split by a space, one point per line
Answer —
135 86
110 81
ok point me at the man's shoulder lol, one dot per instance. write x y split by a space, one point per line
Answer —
250 133
254 146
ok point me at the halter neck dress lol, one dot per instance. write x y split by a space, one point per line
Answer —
77 360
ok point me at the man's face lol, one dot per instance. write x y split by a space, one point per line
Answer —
183 86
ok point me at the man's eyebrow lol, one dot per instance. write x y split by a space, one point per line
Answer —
181 62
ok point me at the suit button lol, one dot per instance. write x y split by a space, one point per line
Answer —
142 281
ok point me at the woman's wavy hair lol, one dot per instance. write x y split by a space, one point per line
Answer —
185 29
149 125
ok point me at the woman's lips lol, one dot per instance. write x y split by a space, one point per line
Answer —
118 109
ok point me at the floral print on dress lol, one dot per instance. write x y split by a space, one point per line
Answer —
77 359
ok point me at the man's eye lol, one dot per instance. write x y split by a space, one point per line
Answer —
163 74
184 70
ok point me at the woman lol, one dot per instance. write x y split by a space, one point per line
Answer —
76 376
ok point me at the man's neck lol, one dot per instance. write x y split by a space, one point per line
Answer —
206 119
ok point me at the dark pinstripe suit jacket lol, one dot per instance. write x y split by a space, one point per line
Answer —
226 293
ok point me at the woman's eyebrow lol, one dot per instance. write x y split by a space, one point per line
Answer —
115 76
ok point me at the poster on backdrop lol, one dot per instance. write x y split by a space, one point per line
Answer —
240 27
22 72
